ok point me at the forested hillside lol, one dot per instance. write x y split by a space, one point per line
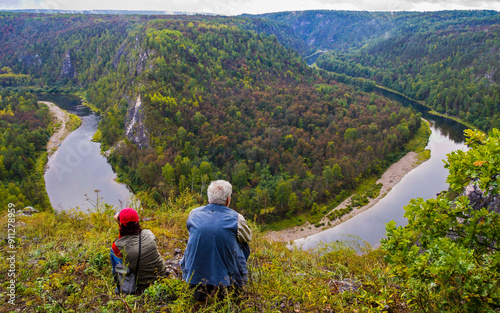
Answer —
334 30
456 72
24 135
219 101
202 98
60 48
348 30
449 60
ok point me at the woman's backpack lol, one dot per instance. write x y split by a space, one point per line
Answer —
127 280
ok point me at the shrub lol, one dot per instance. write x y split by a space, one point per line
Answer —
447 256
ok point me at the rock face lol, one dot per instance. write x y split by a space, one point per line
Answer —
141 62
138 62
30 60
134 125
68 71
340 286
479 200
27 211
121 52
173 264
135 129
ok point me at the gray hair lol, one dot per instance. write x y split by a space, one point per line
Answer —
218 191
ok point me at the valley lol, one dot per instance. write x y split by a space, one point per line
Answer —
180 100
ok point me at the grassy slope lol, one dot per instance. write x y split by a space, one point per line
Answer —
62 265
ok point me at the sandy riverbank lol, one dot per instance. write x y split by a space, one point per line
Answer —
389 179
62 131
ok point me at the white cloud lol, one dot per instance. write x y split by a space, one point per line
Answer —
229 7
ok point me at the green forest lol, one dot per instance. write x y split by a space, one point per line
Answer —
444 71
184 100
24 133
448 60
288 137
285 136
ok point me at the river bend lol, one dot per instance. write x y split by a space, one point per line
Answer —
77 170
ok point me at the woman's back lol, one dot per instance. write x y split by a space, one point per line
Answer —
151 265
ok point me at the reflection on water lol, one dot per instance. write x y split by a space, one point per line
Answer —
77 169
423 182
69 103
449 128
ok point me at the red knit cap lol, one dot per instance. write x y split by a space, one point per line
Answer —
128 215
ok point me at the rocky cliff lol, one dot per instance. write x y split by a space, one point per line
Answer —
134 125
479 199
68 70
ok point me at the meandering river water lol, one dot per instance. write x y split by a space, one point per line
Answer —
77 173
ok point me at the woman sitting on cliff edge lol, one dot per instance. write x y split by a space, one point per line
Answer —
126 250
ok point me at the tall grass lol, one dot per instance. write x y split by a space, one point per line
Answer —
63 266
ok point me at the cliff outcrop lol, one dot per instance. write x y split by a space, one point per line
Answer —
68 69
134 125
479 199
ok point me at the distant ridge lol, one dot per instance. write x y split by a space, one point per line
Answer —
114 12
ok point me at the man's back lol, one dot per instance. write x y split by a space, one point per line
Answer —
213 255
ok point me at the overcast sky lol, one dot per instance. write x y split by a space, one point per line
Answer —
235 7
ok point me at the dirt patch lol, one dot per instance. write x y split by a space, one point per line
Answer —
61 117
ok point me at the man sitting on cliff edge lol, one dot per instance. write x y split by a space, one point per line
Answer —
217 249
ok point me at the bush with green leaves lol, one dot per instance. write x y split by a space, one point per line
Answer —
447 257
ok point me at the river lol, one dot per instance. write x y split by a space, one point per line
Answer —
425 182
77 173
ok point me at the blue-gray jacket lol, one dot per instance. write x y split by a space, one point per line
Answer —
213 255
